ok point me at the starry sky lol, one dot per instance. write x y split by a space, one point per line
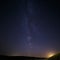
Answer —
29 27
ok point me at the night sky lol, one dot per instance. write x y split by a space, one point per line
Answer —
29 27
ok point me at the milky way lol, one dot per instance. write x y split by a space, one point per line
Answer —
27 28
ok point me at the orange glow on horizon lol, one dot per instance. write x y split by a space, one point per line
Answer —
50 54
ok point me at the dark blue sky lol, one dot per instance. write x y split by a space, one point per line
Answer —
29 27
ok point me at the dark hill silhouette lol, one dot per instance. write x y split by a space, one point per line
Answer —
20 57
55 57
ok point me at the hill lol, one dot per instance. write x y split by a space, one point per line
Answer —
55 57
20 58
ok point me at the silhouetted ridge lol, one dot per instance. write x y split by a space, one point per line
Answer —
55 57
20 57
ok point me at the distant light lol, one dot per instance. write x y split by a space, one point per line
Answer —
50 54
14 55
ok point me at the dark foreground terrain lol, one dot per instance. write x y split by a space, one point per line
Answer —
3 57
20 58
